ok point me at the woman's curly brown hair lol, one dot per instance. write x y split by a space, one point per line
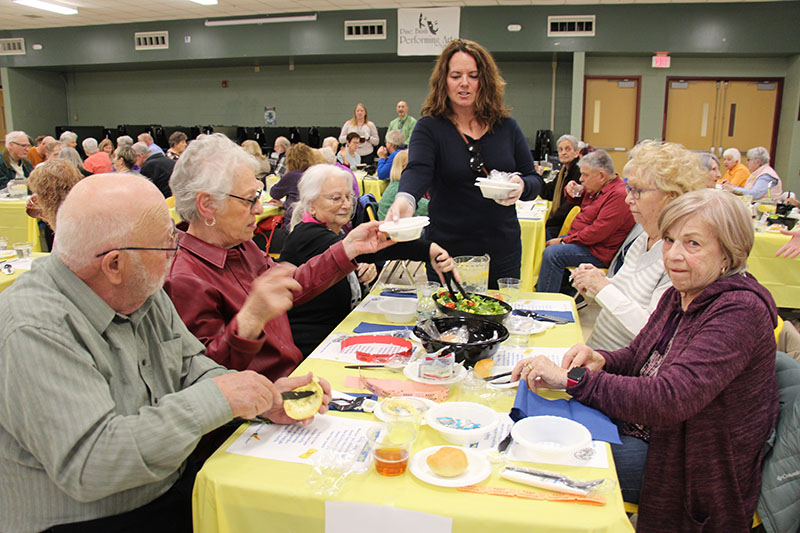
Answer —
51 181
489 106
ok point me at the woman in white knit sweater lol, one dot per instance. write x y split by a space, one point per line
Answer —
657 173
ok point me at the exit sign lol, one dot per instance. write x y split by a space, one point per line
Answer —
661 61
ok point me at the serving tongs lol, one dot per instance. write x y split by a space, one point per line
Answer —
451 280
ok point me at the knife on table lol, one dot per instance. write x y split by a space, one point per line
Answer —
540 316
296 395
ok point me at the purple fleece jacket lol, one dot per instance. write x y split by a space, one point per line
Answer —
711 407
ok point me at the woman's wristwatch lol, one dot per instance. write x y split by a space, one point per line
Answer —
575 376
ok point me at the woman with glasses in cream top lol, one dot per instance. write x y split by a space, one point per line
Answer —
657 173
465 133
325 206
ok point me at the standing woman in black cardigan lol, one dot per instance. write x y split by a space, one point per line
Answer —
466 132
324 207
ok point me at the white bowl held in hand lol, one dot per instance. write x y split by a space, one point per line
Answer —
550 437
462 423
398 310
494 189
405 229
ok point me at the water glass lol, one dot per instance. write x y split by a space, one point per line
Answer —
23 249
519 329
509 289
426 307
3 243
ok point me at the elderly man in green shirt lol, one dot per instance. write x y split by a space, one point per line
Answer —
404 122
104 393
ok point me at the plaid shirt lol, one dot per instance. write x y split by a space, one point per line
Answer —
278 163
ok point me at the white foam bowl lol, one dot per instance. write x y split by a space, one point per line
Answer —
405 229
496 190
398 310
550 437
472 412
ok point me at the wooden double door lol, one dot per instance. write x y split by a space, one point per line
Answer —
611 115
712 115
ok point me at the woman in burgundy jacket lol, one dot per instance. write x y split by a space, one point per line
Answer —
695 393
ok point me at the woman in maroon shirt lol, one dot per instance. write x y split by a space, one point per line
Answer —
695 392
230 294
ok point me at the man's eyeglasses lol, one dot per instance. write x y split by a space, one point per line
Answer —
475 158
26 145
636 192
251 201
174 240
339 199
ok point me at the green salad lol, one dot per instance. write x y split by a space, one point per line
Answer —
476 304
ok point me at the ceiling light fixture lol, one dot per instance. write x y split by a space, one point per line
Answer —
262 20
205 2
47 6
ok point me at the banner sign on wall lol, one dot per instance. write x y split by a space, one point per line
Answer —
426 31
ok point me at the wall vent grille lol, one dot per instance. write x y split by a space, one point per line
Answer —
12 47
571 26
361 30
151 40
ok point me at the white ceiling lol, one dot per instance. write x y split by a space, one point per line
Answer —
91 12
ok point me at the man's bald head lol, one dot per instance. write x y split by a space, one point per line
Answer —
105 211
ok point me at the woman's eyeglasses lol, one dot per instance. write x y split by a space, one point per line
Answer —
250 201
636 192
339 199
475 158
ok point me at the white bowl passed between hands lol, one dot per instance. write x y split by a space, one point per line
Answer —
405 229
462 423
398 310
550 437
495 189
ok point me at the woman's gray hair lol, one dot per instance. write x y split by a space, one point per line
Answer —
567 137
725 213
89 145
733 153
125 140
598 160
68 137
328 154
207 165
71 155
310 187
706 158
332 143
759 153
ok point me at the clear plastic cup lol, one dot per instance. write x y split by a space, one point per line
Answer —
426 307
391 447
509 289
3 243
23 249
519 329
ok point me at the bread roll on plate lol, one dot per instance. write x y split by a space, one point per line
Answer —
448 461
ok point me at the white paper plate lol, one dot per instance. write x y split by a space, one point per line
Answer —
479 469
412 372
381 415
7 254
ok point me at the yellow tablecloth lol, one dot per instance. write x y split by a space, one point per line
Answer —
17 226
533 239
239 494
373 186
7 279
779 275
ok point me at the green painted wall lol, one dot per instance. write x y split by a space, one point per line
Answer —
35 100
789 130
322 95
651 117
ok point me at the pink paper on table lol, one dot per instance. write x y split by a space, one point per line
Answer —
396 387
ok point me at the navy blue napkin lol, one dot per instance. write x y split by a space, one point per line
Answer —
528 403
566 315
399 294
367 327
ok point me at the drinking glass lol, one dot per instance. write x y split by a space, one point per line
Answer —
391 446
509 289
23 249
426 307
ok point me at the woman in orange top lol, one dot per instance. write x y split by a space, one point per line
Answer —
736 173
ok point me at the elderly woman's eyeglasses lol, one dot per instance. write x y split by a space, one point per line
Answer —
339 199
636 192
475 158
251 201
174 240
